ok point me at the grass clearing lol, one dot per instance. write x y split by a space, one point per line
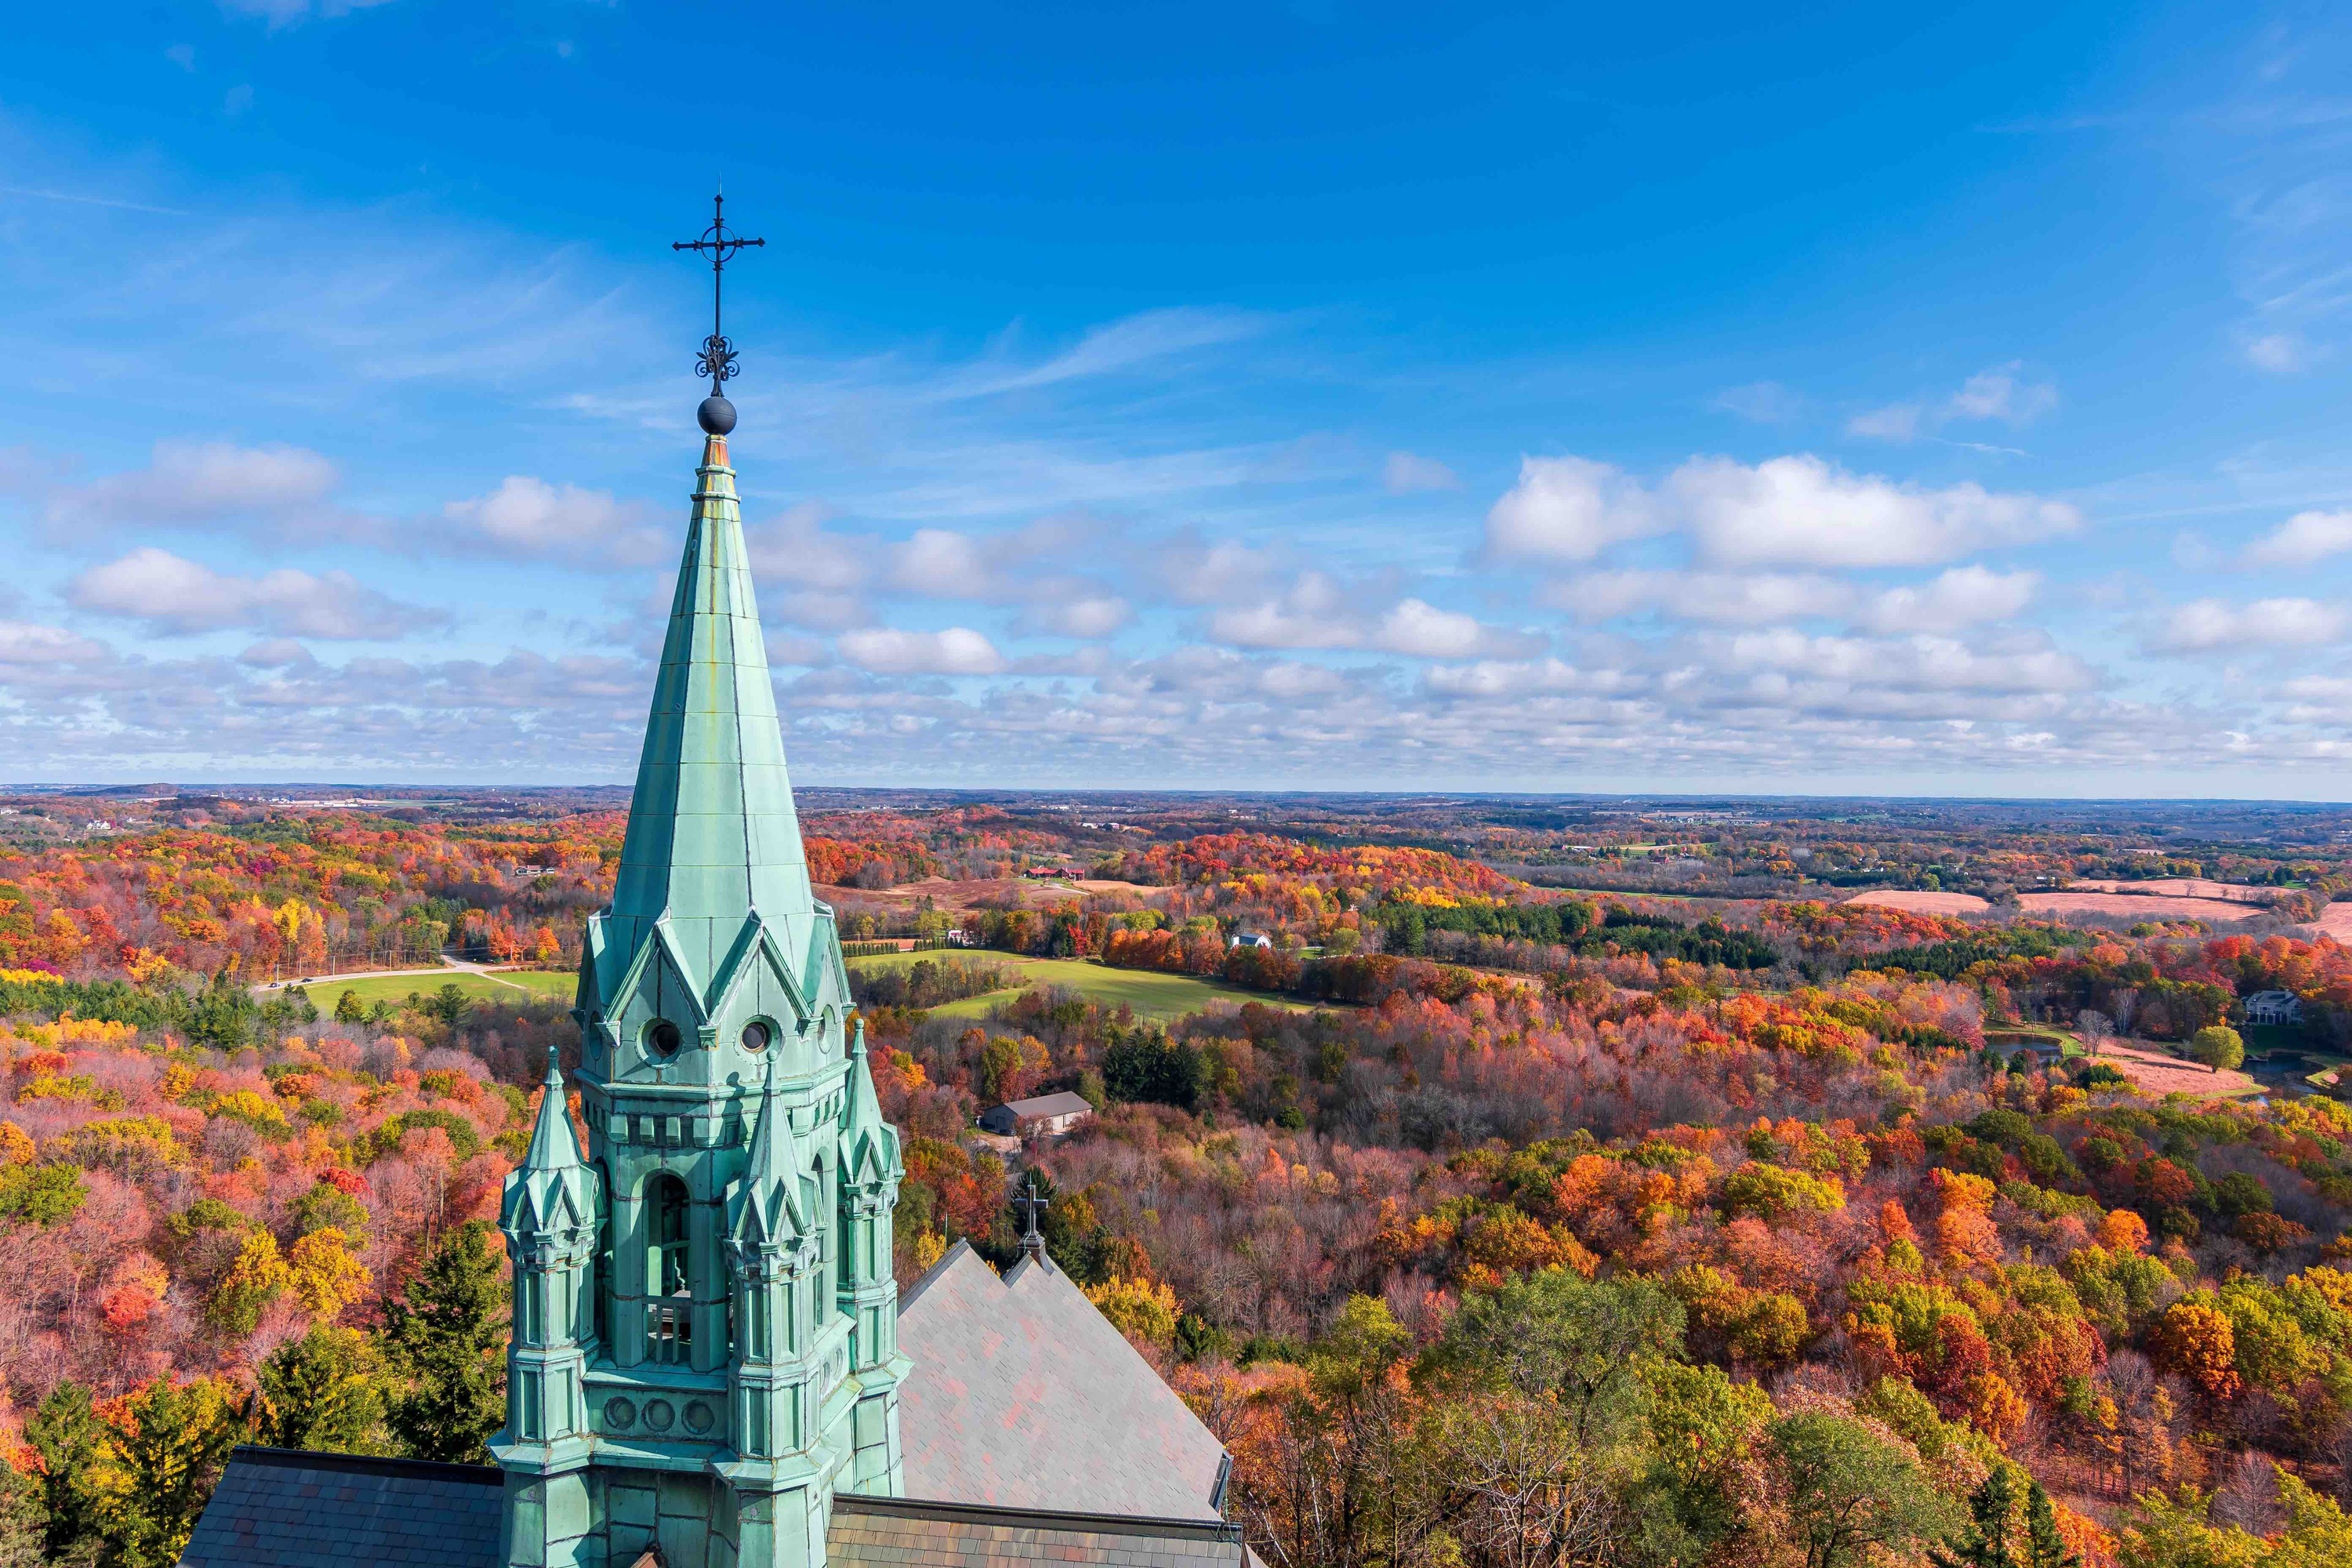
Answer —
1151 994
508 985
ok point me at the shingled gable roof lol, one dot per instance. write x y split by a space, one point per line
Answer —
276 1508
1024 1396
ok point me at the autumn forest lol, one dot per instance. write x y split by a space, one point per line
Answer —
1519 1184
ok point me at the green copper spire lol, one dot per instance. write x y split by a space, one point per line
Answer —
776 1201
870 1145
553 1189
712 834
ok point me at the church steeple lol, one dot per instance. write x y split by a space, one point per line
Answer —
727 1399
712 834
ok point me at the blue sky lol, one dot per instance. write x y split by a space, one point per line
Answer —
1311 396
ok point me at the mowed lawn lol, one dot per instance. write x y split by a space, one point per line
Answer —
506 985
1151 994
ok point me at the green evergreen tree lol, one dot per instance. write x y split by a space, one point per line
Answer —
347 1009
66 1434
447 1332
2045 1547
22 1520
160 1466
1986 1544
321 1392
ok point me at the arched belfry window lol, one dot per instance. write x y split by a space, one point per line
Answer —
669 1290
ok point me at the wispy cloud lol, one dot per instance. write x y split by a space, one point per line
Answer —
82 198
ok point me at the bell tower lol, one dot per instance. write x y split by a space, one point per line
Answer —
731 1357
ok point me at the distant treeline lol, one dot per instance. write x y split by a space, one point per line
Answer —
929 981
223 1013
1576 926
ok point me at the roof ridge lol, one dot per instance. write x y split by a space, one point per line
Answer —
962 1245
992 1513
366 1464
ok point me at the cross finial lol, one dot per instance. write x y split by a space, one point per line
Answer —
717 360
1032 1242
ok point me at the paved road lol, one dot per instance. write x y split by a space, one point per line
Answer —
447 966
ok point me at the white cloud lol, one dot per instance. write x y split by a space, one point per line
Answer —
203 482
1796 510
2306 537
946 564
808 576
2281 353
1723 598
1088 617
1117 346
1962 596
1918 663
29 643
2002 393
1313 611
174 596
1764 402
286 13
2208 624
1193 572
1420 630
1404 473
1317 612
958 650
526 517
1799 510
1569 508
1018 567
1897 422
278 653
2318 699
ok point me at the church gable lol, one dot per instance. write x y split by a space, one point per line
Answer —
1024 1396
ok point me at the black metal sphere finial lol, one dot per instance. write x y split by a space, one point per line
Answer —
717 415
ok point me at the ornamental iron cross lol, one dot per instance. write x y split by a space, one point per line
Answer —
1032 1242
719 242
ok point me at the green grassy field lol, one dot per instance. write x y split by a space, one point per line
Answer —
1150 994
508 985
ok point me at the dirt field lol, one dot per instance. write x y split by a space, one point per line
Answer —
1922 903
2178 888
2336 920
2135 906
2156 1074
2086 901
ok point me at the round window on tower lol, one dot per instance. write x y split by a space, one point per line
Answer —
756 1036
661 1039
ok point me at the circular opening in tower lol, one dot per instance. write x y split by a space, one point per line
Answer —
661 1039
756 1036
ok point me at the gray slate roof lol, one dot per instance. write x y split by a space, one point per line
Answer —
276 1508
1061 1102
1023 1395
891 1532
